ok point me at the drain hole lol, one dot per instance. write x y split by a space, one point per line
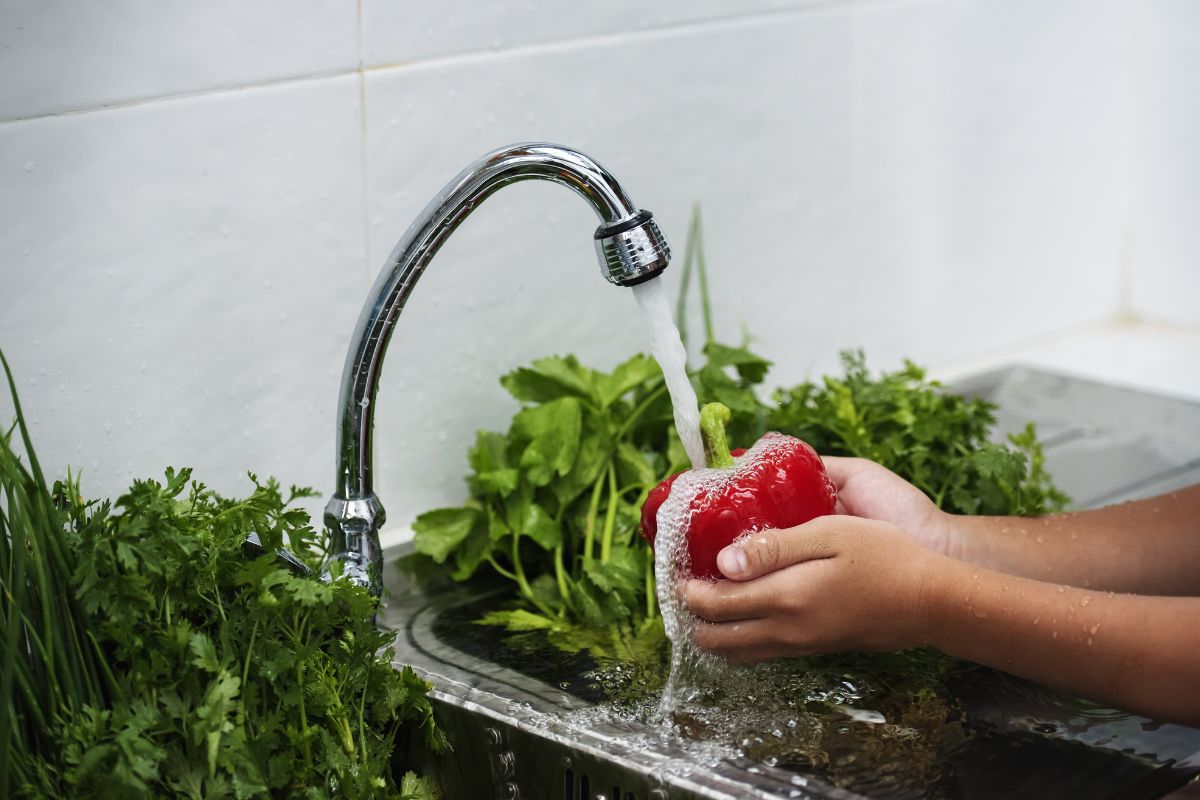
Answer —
569 785
585 788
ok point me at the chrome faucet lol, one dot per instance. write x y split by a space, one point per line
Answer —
629 245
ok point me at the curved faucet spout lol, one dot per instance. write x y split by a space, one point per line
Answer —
629 245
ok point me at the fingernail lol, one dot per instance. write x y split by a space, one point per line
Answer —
732 561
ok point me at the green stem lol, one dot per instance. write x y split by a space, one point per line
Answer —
713 418
589 530
610 516
249 654
560 576
496 566
637 412
522 583
702 278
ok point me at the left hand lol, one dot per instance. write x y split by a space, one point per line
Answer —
832 584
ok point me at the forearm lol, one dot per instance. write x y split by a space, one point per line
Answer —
1151 546
1137 653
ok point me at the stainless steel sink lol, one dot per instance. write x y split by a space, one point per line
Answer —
512 724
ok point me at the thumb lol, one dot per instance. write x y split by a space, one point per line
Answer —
769 551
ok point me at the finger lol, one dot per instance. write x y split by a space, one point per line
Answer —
769 551
725 601
743 642
840 468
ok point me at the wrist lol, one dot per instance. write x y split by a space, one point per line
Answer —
936 578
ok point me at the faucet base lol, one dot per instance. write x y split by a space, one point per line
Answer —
354 540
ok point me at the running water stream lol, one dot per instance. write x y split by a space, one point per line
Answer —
670 550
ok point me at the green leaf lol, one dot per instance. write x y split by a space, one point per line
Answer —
438 532
489 460
549 379
750 367
551 435
634 466
528 518
595 450
625 378
204 652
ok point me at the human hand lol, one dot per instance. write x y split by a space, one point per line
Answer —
872 491
835 583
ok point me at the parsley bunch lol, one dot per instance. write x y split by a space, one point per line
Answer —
203 673
937 440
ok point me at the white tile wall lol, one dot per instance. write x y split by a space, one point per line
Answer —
1166 228
393 34
70 54
934 178
179 279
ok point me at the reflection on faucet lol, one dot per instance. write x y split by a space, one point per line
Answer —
629 245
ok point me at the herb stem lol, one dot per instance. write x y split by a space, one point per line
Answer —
522 583
589 531
641 408
610 516
561 578
496 566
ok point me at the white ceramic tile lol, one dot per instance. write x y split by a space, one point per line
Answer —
519 279
1166 275
394 32
989 172
179 281
70 54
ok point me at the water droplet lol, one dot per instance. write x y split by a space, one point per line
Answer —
1041 540
1074 535
1061 589
1036 620
1085 601
29 166
225 231
1095 628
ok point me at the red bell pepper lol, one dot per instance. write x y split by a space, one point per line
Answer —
780 483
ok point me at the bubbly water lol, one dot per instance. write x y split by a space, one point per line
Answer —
667 349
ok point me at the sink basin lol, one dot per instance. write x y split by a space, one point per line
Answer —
515 722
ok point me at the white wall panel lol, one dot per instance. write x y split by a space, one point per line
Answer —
57 55
179 279
1165 282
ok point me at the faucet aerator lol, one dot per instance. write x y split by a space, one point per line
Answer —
633 251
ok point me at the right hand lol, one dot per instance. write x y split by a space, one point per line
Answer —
872 491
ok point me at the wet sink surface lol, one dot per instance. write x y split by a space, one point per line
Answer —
516 717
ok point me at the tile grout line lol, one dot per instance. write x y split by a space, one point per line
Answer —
450 59
363 155
669 29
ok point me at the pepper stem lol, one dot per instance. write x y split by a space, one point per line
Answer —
713 418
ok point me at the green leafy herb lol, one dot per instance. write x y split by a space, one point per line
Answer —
146 655
936 439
